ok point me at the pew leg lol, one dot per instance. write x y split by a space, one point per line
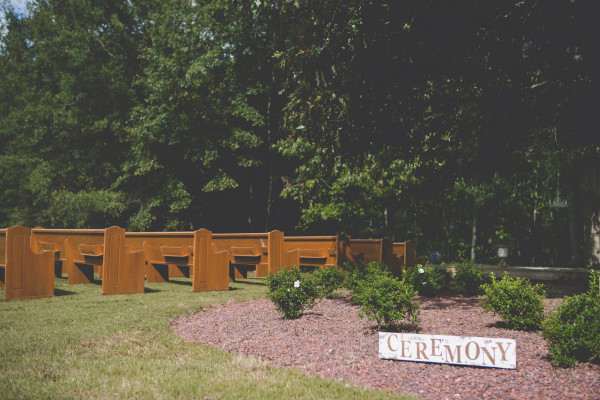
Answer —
179 271
157 273
80 274
262 270
58 268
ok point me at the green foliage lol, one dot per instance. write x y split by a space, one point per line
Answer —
428 281
291 291
380 296
328 280
387 300
516 301
190 113
360 273
572 330
468 279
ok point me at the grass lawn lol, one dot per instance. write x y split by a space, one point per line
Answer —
80 344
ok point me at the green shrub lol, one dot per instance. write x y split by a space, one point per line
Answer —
516 301
291 291
387 300
428 281
357 274
572 330
468 279
328 280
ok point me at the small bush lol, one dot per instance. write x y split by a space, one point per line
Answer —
291 291
428 281
516 301
572 330
386 300
328 280
357 274
468 279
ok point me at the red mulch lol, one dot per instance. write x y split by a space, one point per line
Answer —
331 340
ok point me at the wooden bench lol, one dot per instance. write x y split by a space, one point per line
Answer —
194 254
377 250
316 251
406 253
211 266
168 254
24 273
39 246
55 240
123 269
85 251
250 251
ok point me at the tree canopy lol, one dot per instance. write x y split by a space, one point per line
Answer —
462 126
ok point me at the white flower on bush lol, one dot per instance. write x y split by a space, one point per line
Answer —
424 283
297 284
421 271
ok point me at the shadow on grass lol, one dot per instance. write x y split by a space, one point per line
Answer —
183 283
150 290
250 282
60 292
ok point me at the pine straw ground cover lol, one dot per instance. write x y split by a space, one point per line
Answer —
332 341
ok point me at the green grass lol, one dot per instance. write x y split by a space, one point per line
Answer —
80 344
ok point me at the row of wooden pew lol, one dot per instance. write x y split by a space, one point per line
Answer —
30 258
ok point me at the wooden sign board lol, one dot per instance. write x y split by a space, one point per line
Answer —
461 350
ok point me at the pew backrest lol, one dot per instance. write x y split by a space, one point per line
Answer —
317 251
378 250
83 241
261 250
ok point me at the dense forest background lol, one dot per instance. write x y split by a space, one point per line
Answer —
460 125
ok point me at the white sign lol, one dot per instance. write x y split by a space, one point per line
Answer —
462 350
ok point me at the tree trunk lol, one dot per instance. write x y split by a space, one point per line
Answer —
270 158
250 204
573 225
583 196
474 231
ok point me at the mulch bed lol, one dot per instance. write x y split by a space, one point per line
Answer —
331 340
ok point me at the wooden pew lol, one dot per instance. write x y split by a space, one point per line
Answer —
406 253
165 259
316 251
39 246
123 270
378 250
2 256
70 245
211 267
25 274
168 254
194 251
84 251
250 250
